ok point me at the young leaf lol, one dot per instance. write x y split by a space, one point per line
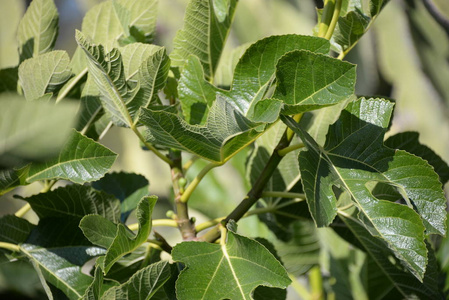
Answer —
203 34
308 81
409 141
143 284
38 29
225 133
81 160
350 162
53 266
33 130
129 188
107 71
232 270
125 241
74 201
44 74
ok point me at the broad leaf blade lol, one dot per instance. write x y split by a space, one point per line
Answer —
12 178
143 284
38 29
107 71
14 230
308 81
351 162
98 230
8 79
81 160
125 241
230 271
203 34
44 74
74 201
32 130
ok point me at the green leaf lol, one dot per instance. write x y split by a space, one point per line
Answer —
232 270
44 74
409 141
308 81
266 293
203 34
98 230
125 241
32 130
408 285
12 178
97 287
38 29
54 266
10 15
14 230
225 133
351 162
8 79
80 160
107 71
129 188
74 201
143 284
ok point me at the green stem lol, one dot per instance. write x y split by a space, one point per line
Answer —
290 148
69 87
283 195
189 163
299 288
9 246
156 223
48 184
326 17
151 147
316 283
333 23
192 186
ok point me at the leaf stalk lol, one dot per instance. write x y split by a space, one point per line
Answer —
10 246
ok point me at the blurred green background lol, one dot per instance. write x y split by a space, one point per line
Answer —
404 56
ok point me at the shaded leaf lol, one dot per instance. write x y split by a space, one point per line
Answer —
8 79
44 74
203 34
12 178
143 284
129 188
14 230
266 293
225 133
308 81
32 130
97 288
350 161
54 266
38 29
409 141
232 270
74 201
81 160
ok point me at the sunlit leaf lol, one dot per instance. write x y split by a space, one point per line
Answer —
38 29
232 270
44 74
80 160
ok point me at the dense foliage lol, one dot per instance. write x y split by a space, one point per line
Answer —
319 158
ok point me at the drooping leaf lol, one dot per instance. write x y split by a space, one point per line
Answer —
98 230
129 188
80 160
38 29
409 141
204 33
308 81
44 74
97 288
225 133
74 201
408 285
350 162
14 230
125 241
107 72
32 130
11 178
143 284
55 266
232 270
